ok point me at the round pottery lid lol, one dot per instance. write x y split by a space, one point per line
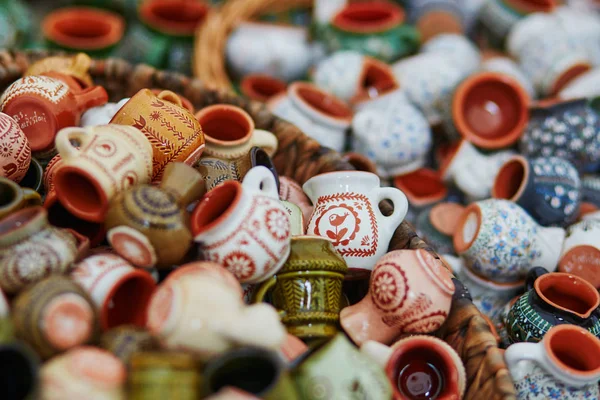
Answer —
67 321
445 216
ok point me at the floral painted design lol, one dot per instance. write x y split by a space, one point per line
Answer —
239 264
389 287
278 224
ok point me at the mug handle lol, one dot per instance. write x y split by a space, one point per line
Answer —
64 137
264 288
398 200
265 140
171 97
523 351
262 180
31 197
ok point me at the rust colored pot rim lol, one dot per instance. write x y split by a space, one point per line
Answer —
58 27
215 207
329 107
233 113
460 244
577 337
174 17
261 87
436 189
368 17
501 189
385 83
530 6
63 186
585 288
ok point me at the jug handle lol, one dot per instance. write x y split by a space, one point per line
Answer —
524 351
64 137
532 276
260 179
263 289
399 202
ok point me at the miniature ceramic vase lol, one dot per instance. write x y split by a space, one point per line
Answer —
488 109
183 141
319 377
231 370
101 115
281 51
548 188
148 225
352 76
420 367
31 249
423 187
409 292
76 66
500 242
290 190
433 18
393 133
436 226
93 31
244 227
175 318
314 270
14 149
584 85
563 366
229 132
375 29
581 251
317 113
54 315
14 197
42 106
551 299
124 341
506 66
567 129
84 372
109 159
457 48
216 170
164 374
427 79
261 87
347 212
471 171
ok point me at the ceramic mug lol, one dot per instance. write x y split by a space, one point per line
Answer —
261 87
13 197
244 227
14 148
507 66
110 159
120 292
347 212
229 132
173 132
581 251
42 106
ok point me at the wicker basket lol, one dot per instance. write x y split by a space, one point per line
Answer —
300 158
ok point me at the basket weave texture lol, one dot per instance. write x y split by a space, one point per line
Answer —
300 157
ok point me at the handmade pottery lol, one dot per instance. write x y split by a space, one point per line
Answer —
33 177
49 170
244 227
563 366
347 212
291 191
207 268
229 132
183 141
548 188
31 249
423 187
471 171
314 271
582 27
410 292
278 50
506 66
457 48
91 30
436 225
318 375
42 106
261 87
54 315
164 374
109 159
292 348
393 133
84 372
433 18
317 113
359 162
500 242
124 341
581 251
23 375
148 225
176 320
420 367
488 109
427 79
120 292
567 129
13 197
297 223
551 299
270 380
527 29
216 170
352 76
101 115
14 149
76 66
375 29
584 85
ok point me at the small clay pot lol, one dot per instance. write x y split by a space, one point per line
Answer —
490 110
261 87
173 17
422 187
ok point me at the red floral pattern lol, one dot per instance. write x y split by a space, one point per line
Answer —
239 264
389 287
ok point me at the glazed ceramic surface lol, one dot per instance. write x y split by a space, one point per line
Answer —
290 190
409 292
15 152
501 242
346 211
552 299
583 27
393 133
244 227
459 50
125 341
507 66
584 85
101 115
581 251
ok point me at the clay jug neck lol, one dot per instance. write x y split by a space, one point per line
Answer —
21 225
568 293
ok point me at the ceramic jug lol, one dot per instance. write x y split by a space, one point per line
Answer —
15 197
347 212
552 299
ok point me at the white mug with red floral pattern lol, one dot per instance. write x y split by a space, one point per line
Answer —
244 227
347 212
